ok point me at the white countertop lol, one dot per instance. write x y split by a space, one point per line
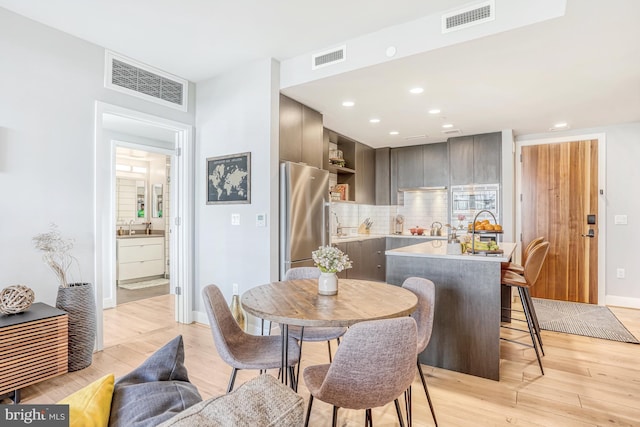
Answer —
439 250
358 237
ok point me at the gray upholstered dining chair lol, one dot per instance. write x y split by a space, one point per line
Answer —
239 349
311 334
425 290
374 365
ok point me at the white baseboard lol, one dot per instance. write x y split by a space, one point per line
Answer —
108 303
625 302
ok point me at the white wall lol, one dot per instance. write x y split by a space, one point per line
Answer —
49 83
621 197
238 112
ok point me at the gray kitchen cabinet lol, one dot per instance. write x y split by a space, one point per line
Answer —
382 177
487 158
410 169
367 257
436 164
475 159
365 174
290 129
301 133
461 160
407 169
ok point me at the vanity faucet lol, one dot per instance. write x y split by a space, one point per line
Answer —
130 224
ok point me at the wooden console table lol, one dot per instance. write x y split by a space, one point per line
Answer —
33 347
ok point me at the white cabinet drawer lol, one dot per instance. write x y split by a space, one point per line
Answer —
132 270
137 241
140 253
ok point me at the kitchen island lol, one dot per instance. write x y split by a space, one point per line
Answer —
469 297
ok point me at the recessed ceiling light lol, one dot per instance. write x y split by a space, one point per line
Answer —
561 125
434 111
348 104
374 120
394 132
447 125
416 90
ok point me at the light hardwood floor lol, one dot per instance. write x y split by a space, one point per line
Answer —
588 382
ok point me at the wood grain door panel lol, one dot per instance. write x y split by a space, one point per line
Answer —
559 190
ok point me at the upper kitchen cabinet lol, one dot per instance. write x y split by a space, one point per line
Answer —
383 174
475 159
407 169
301 138
365 174
436 164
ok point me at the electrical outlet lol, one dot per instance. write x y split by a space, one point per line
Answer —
620 273
235 219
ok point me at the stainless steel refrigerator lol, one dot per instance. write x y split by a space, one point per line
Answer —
304 218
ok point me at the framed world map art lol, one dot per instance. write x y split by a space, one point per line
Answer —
229 179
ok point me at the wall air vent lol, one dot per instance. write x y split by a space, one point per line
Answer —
468 16
328 57
452 132
134 78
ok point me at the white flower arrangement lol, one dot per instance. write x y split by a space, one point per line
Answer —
56 253
330 259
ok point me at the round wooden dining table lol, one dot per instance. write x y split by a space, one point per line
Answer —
297 302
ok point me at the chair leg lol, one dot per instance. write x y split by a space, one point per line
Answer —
527 315
329 345
534 317
368 421
335 416
294 378
232 380
399 411
306 421
300 355
426 391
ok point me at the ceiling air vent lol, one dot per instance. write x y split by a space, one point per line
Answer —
468 16
452 132
329 57
131 77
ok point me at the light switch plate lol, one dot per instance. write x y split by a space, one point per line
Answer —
261 220
620 273
620 219
235 219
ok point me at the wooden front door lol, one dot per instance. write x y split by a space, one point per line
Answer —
559 191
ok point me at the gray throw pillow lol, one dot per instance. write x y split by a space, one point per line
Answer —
155 391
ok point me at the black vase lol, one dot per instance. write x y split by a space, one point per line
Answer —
78 301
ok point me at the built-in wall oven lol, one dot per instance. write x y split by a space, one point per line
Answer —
468 200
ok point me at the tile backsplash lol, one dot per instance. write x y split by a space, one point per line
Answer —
420 208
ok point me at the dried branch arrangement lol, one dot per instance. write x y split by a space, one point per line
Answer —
56 253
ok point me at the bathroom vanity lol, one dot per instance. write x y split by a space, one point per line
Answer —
139 257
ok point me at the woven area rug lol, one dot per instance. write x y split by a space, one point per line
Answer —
581 319
145 284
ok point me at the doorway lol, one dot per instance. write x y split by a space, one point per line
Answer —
143 207
560 184
113 120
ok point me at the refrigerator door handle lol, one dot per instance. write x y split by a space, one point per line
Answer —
325 221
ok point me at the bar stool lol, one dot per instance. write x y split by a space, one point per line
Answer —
523 283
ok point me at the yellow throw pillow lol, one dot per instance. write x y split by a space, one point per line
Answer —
91 405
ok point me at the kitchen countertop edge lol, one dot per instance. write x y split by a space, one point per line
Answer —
426 250
360 237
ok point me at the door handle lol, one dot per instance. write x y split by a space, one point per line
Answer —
590 234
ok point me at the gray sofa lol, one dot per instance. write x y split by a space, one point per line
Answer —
159 392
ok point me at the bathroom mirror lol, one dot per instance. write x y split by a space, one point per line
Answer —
141 197
156 198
